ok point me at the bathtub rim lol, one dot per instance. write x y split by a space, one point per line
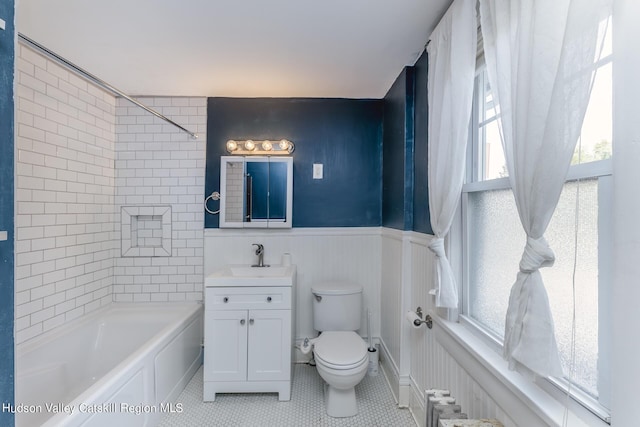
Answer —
55 333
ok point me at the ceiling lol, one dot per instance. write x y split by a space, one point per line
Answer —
237 48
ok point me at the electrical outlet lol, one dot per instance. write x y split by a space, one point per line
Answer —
317 171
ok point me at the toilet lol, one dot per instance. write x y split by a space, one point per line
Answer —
340 353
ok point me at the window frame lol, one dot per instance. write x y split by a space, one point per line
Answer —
459 242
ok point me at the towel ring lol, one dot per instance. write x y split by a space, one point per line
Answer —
215 196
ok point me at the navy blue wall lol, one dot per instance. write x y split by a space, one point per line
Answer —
7 56
398 148
345 135
374 152
421 221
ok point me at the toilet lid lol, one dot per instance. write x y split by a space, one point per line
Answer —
341 348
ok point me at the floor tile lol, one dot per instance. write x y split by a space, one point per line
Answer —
376 406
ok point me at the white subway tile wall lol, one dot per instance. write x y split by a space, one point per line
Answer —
135 240
148 230
159 165
65 195
82 154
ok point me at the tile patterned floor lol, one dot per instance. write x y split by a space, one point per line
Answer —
306 407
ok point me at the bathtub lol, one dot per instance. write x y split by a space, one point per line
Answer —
123 365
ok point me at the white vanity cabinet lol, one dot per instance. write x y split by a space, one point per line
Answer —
248 340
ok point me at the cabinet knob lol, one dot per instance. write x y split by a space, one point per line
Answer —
251 321
242 321
225 299
268 299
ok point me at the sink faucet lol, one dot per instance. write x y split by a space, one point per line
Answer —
260 253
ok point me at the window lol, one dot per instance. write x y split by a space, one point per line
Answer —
493 239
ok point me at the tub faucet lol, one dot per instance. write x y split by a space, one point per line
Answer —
260 253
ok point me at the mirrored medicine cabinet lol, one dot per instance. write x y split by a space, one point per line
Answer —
256 192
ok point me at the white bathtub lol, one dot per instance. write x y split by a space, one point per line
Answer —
119 366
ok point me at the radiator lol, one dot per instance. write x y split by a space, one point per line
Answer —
470 423
441 406
442 411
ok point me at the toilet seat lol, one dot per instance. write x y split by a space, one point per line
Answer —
340 350
355 366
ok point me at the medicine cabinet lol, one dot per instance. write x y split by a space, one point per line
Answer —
256 192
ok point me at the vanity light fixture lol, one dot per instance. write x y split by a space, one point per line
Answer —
250 147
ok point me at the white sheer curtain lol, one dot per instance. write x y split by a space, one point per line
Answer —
452 57
538 54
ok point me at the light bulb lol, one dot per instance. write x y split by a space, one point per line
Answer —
232 145
266 145
249 145
284 144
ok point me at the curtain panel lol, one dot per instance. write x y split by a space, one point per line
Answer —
452 57
539 56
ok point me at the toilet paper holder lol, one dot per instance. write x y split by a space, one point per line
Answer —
428 320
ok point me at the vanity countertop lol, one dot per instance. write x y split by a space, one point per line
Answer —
245 275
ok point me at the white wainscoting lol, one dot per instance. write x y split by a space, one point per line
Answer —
412 359
391 295
431 365
422 266
320 254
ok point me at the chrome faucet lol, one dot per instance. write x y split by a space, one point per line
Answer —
260 253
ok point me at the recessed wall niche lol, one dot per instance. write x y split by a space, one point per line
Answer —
145 231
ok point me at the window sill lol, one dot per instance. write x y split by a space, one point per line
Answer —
520 398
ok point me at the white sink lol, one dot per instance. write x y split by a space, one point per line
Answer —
271 271
245 275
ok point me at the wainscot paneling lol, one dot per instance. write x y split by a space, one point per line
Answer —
431 365
320 254
391 316
391 281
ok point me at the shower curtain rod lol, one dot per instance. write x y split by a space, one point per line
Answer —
98 81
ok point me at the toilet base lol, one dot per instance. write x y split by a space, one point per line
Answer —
340 403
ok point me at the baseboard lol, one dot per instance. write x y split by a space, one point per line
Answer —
390 371
417 405
404 395
399 384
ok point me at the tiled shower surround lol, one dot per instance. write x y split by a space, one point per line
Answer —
158 165
81 155
65 195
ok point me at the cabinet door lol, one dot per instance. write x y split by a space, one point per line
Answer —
225 351
269 345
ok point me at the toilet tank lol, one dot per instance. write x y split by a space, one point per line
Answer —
337 306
